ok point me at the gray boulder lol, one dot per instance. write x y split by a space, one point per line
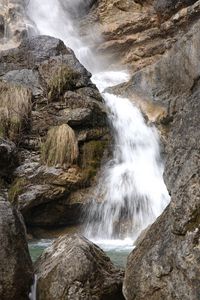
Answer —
74 268
16 271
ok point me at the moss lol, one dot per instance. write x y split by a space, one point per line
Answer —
62 80
16 189
92 153
61 146
15 107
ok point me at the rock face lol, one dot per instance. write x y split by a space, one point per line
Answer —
58 123
8 157
74 268
165 264
14 24
16 272
138 33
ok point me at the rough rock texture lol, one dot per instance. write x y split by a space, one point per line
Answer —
138 33
66 113
165 264
75 268
16 271
14 24
8 157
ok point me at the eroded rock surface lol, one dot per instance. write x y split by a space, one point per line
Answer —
138 33
60 129
16 271
75 268
8 157
165 264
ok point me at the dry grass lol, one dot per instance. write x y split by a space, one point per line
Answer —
61 80
15 108
61 146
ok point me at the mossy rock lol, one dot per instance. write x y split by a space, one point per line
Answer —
91 157
16 189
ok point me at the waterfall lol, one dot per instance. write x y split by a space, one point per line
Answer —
33 293
131 192
52 17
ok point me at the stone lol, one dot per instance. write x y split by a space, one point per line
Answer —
137 33
165 263
8 157
16 270
75 268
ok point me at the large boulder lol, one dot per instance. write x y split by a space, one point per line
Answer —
165 264
75 268
16 271
61 130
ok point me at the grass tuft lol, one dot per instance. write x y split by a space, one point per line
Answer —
61 146
15 108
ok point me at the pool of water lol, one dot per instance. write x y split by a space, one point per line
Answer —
117 250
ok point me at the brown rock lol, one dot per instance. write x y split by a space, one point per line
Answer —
165 263
138 33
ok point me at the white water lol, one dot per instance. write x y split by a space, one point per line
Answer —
52 18
131 189
33 293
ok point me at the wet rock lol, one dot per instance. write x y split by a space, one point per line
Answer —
8 157
165 263
75 268
16 272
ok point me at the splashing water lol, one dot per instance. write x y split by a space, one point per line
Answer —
131 192
33 293
52 17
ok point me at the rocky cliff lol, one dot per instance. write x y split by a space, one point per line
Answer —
138 33
165 264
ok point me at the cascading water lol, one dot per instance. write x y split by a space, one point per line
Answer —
131 189
53 17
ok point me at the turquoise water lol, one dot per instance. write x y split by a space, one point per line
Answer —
117 251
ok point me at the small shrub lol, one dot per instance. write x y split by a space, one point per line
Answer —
16 189
61 146
15 108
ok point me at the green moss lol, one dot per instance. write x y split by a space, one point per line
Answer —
16 189
92 153
62 80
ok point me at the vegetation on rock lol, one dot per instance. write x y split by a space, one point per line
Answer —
61 80
61 146
15 107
